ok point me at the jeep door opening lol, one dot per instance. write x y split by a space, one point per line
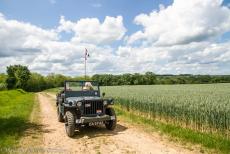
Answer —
81 104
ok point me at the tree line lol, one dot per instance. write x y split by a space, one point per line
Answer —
18 76
150 78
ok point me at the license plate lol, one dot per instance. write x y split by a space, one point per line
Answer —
95 123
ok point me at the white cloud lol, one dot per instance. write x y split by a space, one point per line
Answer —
183 22
22 38
90 30
194 58
41 49
177 39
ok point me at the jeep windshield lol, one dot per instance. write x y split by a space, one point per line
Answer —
81 86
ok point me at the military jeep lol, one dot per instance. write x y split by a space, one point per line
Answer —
80 104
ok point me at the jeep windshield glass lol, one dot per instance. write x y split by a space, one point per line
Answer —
81 86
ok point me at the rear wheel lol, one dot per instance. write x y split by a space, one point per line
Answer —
70 123
59 115
111 124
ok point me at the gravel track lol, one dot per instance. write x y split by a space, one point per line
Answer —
126 138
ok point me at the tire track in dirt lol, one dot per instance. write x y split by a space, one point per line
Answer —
124 139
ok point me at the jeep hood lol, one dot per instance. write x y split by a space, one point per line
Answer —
72 99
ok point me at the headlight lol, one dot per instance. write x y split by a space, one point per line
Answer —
105 102
79 104
70 103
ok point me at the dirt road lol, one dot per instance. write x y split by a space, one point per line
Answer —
125 139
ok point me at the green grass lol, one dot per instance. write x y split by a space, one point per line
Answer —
202 107
15 109
207 140
53 90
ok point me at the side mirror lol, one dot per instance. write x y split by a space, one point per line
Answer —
103 94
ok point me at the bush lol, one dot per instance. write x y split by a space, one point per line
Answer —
3 86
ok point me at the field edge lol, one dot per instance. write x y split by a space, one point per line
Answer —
206 143
33 136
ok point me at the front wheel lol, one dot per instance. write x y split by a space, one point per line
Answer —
70 123
111 124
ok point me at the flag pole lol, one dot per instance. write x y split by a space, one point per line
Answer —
85 65
86 55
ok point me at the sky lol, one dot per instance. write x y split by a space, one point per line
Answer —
121 36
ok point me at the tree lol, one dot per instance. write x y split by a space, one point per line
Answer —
150 78
18 76
36 83
3 77
3 81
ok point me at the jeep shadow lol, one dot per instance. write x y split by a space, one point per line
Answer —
97 131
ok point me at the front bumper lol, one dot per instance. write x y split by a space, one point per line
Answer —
84 120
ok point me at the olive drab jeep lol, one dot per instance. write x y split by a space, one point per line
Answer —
80 104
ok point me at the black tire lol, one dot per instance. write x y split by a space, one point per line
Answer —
111 124
59 115
70 123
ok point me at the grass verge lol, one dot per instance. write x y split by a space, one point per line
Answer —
15 109
33 135
53 90
209 141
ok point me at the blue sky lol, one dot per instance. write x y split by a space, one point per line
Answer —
46 13
163 36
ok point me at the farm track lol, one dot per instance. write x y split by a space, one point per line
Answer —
125 139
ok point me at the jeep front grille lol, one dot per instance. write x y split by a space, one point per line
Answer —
91 107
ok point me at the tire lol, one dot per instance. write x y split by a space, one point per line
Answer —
70 123
111 124
59 115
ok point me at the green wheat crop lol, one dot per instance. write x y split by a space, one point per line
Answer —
204 107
